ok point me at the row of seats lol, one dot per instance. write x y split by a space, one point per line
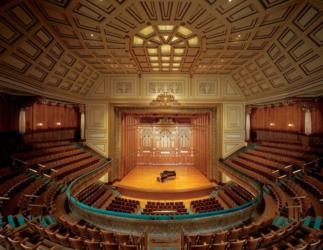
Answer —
286 160
39 153
95 195
75 236
123 205
164 208
63 159
264 236
206 205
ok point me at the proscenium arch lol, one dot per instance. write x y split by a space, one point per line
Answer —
215 111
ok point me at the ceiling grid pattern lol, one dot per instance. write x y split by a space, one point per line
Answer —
266 46
30 48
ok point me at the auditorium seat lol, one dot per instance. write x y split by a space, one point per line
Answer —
107 245
94 234
220 245
237 244
92 244
204 239
128 247
253 243
200 247
108 236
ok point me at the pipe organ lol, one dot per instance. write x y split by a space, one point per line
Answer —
169 144
166 140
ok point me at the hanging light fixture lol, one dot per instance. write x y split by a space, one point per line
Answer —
165 99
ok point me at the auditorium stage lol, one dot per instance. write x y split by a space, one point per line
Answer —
141 182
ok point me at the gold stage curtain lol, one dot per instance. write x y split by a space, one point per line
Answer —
41 116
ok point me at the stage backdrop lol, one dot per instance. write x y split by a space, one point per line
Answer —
165 141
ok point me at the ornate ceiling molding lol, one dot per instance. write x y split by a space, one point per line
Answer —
266 46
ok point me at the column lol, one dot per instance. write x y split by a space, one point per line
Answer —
22 121
308 121
82 121
248 124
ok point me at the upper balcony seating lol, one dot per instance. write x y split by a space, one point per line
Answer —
38 153
289 150
285 160
164 208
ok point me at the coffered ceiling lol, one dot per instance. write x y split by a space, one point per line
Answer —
267 46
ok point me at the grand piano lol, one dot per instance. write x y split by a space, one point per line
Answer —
166 175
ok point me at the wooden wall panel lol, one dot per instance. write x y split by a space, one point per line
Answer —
129 145
205 88
202 143
96 117
233 127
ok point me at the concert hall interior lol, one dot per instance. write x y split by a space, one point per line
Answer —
161 124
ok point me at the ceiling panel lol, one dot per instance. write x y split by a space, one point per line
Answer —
265 45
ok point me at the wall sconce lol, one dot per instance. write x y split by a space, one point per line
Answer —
290 125
40 124
58 123
271 124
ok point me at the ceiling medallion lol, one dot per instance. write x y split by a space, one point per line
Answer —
164 47
165 100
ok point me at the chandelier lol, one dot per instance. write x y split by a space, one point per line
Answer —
164 99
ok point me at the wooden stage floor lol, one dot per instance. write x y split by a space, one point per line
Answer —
141 182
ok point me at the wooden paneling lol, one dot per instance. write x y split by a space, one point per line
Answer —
202 143
129 143
233 127
96 117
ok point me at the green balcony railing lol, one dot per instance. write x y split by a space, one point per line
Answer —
90 209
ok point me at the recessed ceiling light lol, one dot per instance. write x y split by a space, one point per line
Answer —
239 35
178 51
165 49
153 58
193 41
184 31
92 35
165 27
174 39
147 31
138 41
152 51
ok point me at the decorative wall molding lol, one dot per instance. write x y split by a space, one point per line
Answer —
96 117
233 128
209 88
